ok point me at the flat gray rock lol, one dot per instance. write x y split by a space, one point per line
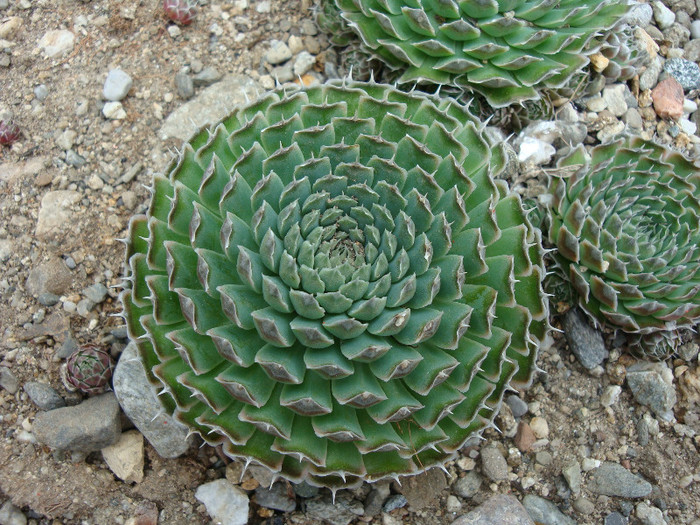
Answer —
612 479
209 107
584 341
43 395
652 385
89 426
502 509
545 512
139 400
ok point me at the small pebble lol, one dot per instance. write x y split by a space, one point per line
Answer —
695 29
117 85
279 52
663 15
610 395
41 92
539 427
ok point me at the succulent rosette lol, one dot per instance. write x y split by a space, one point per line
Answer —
625 225
331 283
89 369
505 50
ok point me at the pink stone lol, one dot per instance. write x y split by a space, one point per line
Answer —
668 98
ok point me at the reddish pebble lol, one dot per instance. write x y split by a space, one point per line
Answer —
146 514
668 98
524 437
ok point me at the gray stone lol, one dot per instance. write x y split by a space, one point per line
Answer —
639 15
43 395
84 307
687 73
117 85
209 107
493 464
633 119
517 406
676 36
501 509
208 76
583 506
8 380
184 86
650 76
41 92
74 159
695 29
652 385
663 15
469 485
96 293
308 27
424 489
6 249
51 276
47 299
277 497
69 346
545 512
138 398
614 97
225 503
612 479
649 515
11 515
91 425
304 490
303 62
572 475
342 512
279 52
397 501
376 498
584 341
615 518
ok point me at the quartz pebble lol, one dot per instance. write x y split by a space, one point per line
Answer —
663 15
225 503
57 42
117 85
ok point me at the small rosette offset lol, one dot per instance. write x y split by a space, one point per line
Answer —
626 228
504 50
332 285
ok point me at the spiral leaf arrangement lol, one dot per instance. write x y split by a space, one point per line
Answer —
504 50
626 227
331 283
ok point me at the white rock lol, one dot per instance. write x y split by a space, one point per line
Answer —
296 44
614 97
689 106
639 15
114 111
663 15
536 151
11 515
95 182
225 503
263 7
279 52
610 395
539 427
57 42
303 63
695 29
10 26
125 457
596 104
688 126
66 139
117 85
589 464
55 211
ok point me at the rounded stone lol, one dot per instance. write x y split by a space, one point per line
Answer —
117 85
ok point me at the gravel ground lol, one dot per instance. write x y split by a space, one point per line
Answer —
580 446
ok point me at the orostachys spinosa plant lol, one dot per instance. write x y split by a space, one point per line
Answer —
507 50
331 283
625 222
